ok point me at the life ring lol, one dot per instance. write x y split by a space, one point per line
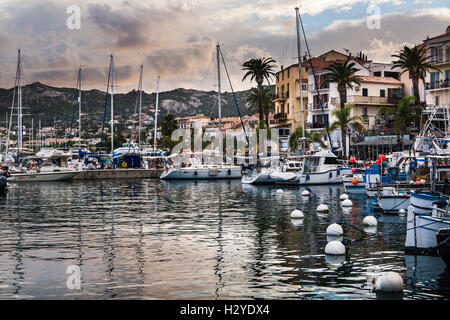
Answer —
124 164
152 164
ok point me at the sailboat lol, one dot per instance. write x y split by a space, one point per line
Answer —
196 169
38 173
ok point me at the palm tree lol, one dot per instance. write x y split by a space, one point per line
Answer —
253 101
417 63
312 136
343 122
403 115
344 75
258 70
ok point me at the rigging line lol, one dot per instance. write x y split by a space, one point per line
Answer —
12 112
315 82
234 96
73 108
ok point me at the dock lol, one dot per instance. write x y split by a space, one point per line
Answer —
119 174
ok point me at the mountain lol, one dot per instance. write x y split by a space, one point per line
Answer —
47 103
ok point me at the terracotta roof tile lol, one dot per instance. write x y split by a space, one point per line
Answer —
380 79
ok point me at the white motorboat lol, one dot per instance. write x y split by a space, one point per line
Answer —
322 167
288 172
46 172
202 172
258 176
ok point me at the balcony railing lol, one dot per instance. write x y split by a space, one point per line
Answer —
280 116
438 84
281 96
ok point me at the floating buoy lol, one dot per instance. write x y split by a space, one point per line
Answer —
347 203
411 182
305 193
297 214
297 222
335 248
354 181
353 170
423 181
280 191
334 238
334 230
389 282
322 208
370 221
343 196
402 212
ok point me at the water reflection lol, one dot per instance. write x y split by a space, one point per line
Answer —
208 240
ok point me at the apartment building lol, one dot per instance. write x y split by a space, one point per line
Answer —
198 121
437 87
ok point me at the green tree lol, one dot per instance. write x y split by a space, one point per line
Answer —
417 63
403 115
344 75
258 70
344 120
311 136
253 101
168 125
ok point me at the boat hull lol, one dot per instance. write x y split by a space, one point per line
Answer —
323 178
202 174
393 203
43 176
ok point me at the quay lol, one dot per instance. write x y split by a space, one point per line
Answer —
119 174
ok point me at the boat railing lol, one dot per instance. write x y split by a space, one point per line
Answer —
439 212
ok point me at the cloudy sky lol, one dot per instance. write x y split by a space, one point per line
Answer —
176 38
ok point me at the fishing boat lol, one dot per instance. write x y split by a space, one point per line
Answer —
353 180
392 199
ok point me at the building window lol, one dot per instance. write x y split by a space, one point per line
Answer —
365 92
382 93
436 100
288 107
288 72
287 90
377 73
447 54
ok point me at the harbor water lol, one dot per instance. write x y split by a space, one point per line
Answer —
151 239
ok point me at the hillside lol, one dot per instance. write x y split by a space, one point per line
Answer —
43 102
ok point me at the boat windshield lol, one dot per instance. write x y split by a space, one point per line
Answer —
311 164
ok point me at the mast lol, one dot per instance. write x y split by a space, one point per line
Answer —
140 105
300 73
218 97
19 105
156 114
79 109
112 105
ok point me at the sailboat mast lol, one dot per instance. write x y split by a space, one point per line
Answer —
140 105
218 97
156 115
79 109
112 105
300 74
19 105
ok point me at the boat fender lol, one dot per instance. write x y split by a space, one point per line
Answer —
229 171
330 175
195 172
338 172
307 177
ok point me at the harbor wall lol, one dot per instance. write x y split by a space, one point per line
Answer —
119 174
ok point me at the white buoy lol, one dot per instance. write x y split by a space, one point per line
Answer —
280 191
297 222
333 238
402 212
389 282
370 221
370 229
322 208
335 248
411 182
334 261
423 181
347 203
343 196
334 230
297 214
306 193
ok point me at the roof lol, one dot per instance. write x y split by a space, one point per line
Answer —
200 116
389 80
438 37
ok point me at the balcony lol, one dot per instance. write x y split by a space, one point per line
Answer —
280 97
312 87
280 116
438 85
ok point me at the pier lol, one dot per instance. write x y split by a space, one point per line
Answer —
119 174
